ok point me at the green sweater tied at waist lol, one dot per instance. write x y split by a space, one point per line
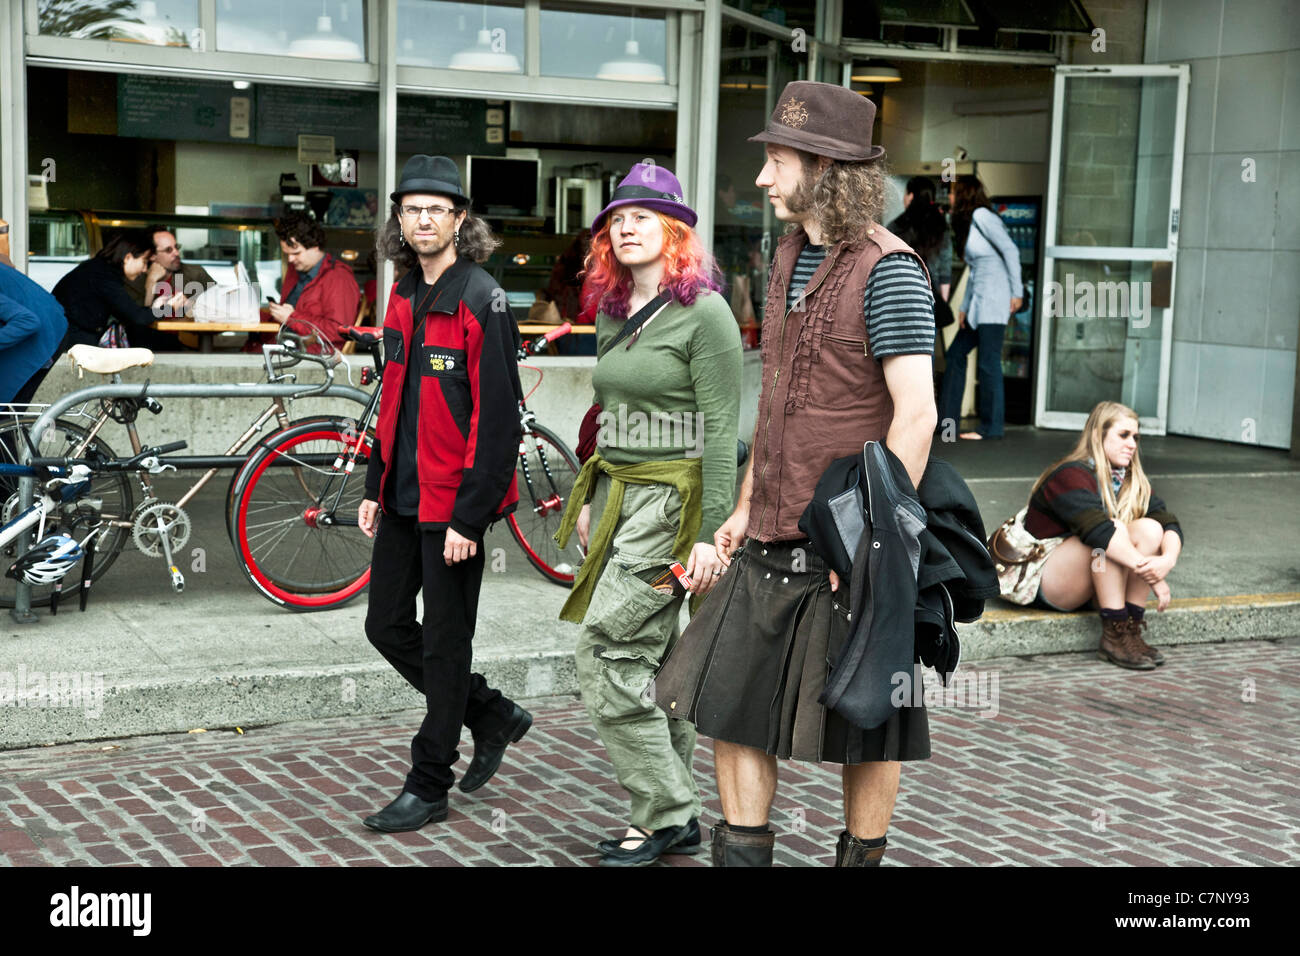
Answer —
682 473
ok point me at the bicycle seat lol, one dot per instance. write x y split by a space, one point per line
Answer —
362 336
88 358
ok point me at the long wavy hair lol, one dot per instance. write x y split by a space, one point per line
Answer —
1135 492
968 194
477 241
688 269
846 199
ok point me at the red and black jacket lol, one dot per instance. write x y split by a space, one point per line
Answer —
468 427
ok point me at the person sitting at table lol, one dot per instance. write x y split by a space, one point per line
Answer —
93 295
168 275
318 288
32 325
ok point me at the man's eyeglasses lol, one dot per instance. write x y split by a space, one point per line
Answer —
435 212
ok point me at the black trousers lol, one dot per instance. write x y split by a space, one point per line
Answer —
434 656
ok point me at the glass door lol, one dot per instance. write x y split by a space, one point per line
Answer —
1111 240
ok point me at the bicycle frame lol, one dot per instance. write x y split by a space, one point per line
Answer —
21 611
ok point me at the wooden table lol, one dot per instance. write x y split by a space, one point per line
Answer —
538 328
205 330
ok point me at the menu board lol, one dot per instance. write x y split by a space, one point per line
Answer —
162 107
159 107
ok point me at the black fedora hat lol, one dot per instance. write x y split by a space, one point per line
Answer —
430 174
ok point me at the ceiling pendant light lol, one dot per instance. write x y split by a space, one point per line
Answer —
325 44
875 71
632 67
482 57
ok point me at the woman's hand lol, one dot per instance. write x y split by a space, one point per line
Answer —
368 517
731 534
704 567
584 525
1016 303
1163 595
961 319
1154 568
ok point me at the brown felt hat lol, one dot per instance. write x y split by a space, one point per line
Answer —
824 119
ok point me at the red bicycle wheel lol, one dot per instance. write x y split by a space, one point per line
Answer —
295 518
545 474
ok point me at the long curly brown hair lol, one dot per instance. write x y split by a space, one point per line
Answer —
846 199
477 241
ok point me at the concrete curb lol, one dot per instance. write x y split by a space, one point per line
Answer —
183 701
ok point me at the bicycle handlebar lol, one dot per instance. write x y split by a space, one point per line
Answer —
124 464
538 345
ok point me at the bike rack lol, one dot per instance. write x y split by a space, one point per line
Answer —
22 609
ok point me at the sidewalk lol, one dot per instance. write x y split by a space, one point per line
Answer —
1082 764
220 655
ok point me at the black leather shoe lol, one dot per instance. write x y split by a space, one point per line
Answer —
489 750
407 812
688 845
647 851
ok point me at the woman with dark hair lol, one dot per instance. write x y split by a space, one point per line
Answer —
993 294
658 486
1095 533
923 227
94 295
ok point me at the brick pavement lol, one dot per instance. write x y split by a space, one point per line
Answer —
1082 764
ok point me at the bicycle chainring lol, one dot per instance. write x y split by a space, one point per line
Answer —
145 532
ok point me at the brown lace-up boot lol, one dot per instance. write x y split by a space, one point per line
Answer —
730 848
1136 628
850 851
1118 647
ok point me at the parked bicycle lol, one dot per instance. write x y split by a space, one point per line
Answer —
295 530
156 527
67 518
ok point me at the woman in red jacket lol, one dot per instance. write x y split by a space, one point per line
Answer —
1110 539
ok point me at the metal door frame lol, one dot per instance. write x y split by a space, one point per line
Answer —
1043 418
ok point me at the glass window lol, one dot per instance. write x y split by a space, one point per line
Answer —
608 46
461 36
152 22
319 29
755 69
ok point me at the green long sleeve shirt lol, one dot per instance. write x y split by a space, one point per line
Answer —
675 393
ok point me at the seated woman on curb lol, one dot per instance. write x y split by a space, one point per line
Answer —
1111 540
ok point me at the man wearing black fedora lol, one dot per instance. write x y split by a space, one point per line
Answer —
848 337
442 470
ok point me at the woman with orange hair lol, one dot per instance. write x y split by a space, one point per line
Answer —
660 483
1103 537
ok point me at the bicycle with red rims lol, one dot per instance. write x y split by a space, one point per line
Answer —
294 518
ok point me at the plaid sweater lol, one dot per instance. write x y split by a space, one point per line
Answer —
1068 502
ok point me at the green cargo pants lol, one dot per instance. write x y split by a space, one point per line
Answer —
628 630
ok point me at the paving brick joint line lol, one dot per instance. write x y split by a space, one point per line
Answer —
1083 764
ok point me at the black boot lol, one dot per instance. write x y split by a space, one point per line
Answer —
850 851
408 812
489 749
730 848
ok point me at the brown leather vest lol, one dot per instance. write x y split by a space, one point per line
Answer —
822 393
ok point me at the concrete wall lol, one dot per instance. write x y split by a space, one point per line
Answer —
1237 291
209 425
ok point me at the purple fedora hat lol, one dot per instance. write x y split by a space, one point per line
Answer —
653 187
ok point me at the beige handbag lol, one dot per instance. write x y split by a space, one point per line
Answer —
1019 558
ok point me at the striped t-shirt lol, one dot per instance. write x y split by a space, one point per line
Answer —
897 303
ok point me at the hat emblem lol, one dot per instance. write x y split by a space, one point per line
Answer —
793 113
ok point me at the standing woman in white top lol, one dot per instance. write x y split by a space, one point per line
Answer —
993 294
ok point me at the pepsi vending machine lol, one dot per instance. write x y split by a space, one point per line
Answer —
1022 215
